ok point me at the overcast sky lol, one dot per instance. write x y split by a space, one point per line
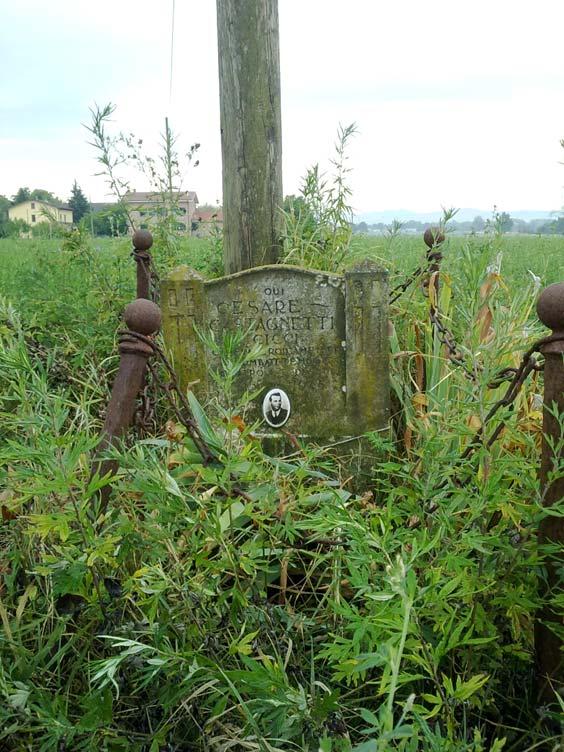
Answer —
457 103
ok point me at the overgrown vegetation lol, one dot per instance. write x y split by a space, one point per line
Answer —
258 603
318 223
163 174
300 616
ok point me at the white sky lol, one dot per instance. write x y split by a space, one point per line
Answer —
457 103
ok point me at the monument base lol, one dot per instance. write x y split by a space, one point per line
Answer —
313 349
354 457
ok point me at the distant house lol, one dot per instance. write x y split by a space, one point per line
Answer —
145 208
34 212
205 220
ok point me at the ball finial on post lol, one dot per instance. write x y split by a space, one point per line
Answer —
142 240
143 316
550 307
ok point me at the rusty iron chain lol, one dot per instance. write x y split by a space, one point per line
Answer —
517 379
425 272
445 335
173 392
447 339
398 290
455 355
182 409
433 259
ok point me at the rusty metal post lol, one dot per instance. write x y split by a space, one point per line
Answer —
143 317
142 241
548 644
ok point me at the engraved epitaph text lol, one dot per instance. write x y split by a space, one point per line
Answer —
323 340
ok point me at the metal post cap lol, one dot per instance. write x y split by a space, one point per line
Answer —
142 240
143 316
550 307
433 236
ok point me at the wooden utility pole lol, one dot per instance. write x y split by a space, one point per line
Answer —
251 131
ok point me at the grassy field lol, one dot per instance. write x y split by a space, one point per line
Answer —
32 269
296 615
518 254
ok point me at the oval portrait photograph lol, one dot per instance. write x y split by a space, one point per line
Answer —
276 407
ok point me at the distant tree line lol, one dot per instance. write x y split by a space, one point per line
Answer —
500 222
106 219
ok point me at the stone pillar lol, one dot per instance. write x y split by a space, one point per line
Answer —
184 307
367 349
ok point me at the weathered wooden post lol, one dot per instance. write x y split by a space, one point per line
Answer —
142 317
142 241
251 131
548 643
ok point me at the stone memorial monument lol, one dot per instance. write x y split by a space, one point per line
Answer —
323 370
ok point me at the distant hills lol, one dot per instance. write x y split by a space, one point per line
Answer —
463 215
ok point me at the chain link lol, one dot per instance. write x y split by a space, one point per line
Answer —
432 262
444 333
528 364
173 392
447 339
398 290
184 414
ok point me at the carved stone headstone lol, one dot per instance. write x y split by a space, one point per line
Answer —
323 374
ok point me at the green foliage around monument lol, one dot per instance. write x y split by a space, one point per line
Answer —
318 223
296 617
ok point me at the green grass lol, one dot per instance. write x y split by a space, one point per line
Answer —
541 254
297 616
33 270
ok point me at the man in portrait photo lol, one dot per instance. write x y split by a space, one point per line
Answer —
276 415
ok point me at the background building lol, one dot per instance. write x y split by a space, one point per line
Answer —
206 221
33 212
146 207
